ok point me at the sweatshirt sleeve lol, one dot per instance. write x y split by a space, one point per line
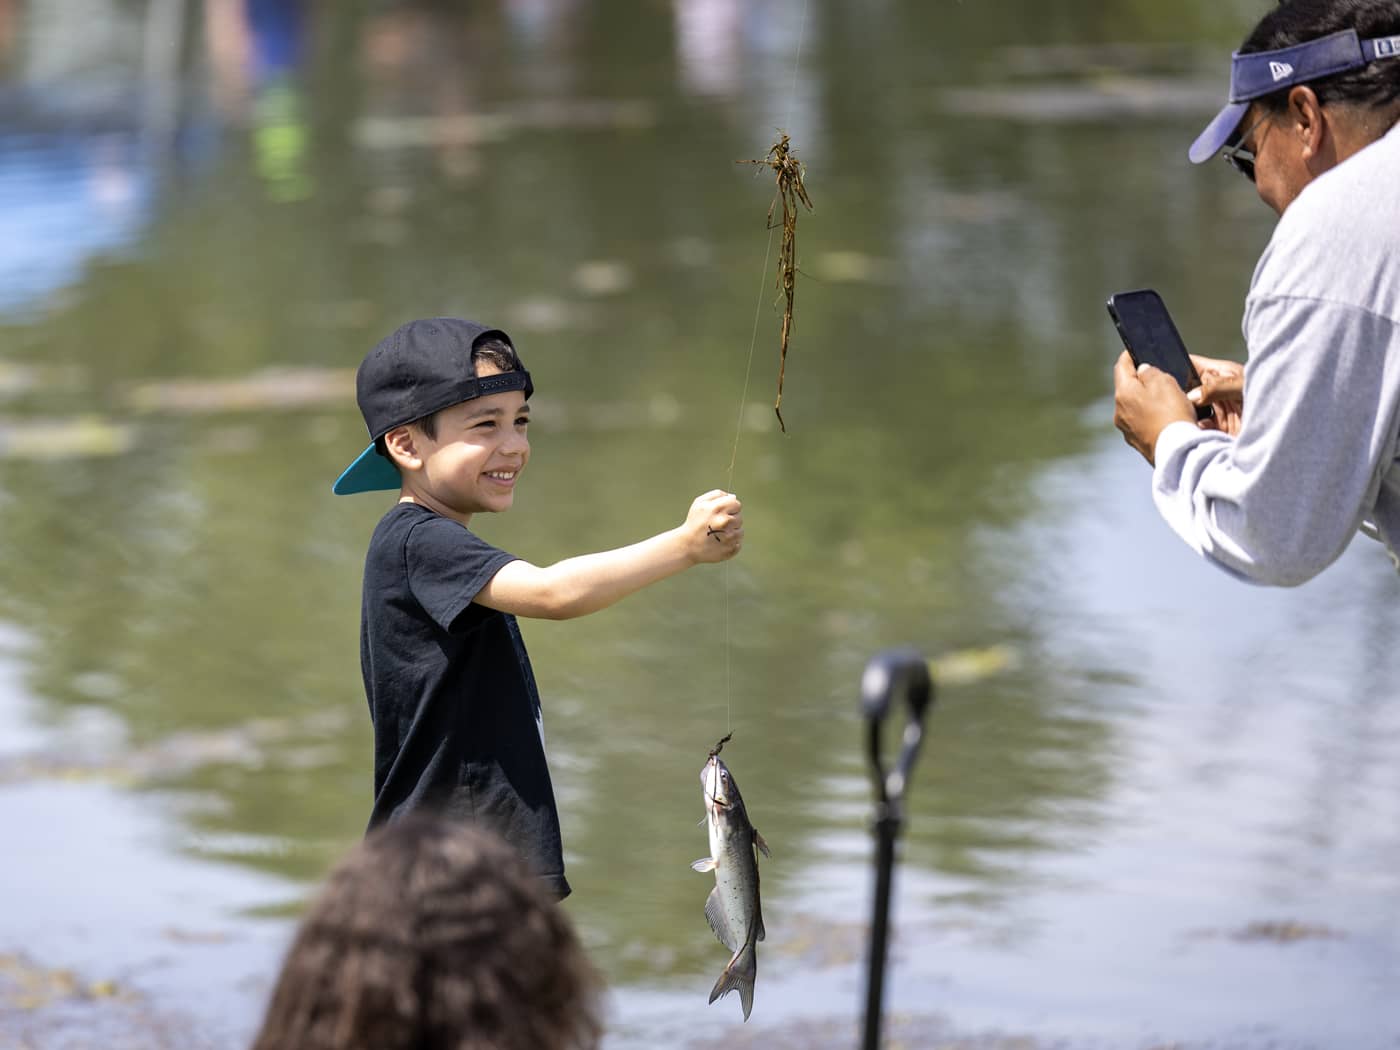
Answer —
1280 502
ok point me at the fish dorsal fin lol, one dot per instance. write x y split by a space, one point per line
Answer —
714 911
758 841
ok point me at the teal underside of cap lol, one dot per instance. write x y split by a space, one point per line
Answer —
370 472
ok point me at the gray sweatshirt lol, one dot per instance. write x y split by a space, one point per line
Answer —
1316 455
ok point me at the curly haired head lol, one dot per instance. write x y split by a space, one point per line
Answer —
433 935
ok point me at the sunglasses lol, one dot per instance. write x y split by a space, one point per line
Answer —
1239 158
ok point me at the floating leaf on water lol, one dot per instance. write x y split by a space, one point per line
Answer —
53 439
1285 932
602 277
461 129
1051 60
850 267
271 390
1107 99
17 378
27 986
966 666
474 129
542 314
182 936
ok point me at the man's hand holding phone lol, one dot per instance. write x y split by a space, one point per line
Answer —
1146 401
1222 388
1157 382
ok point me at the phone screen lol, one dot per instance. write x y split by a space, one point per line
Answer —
1149 335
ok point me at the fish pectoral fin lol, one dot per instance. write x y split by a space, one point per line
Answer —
719 921
758 841
705 864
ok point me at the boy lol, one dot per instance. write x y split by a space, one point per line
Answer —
457 720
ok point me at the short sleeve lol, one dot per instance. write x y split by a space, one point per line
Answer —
447 565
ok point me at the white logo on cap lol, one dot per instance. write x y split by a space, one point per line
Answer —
1280 70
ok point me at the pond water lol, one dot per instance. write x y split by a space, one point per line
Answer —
1155 806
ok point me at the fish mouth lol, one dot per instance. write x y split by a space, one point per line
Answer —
710 781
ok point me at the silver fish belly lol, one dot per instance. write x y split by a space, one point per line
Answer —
733 907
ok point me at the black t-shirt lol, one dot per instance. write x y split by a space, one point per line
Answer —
457 724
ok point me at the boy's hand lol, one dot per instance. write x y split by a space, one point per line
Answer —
712 531
714 527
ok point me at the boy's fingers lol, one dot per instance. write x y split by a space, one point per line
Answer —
716 496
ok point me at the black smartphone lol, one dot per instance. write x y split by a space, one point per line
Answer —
1151 338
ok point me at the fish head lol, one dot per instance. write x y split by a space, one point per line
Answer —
721 792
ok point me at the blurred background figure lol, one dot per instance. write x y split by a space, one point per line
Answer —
256 48
431 935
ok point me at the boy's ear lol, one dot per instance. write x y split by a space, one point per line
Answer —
403 448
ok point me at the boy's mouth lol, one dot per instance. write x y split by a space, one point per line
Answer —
503 476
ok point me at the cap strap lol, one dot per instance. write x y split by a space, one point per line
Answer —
1381 47
501 382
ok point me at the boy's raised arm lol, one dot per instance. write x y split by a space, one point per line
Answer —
713 531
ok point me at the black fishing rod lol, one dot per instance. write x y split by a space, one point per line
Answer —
904 673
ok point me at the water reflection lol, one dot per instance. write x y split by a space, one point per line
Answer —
70 201
189 589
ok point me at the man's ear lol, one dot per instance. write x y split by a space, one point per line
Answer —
402 444
1308 124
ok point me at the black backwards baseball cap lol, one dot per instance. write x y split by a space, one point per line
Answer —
1261 73
420 368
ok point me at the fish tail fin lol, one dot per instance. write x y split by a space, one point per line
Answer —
739 974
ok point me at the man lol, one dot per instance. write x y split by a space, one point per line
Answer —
1275 488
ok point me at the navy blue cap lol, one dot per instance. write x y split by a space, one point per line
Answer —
420 368
1261 73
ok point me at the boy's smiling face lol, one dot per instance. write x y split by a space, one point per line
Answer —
476 458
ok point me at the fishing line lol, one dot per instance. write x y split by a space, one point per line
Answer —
729 483
744 396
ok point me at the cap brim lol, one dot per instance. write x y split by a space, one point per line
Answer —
1217 133
370 472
